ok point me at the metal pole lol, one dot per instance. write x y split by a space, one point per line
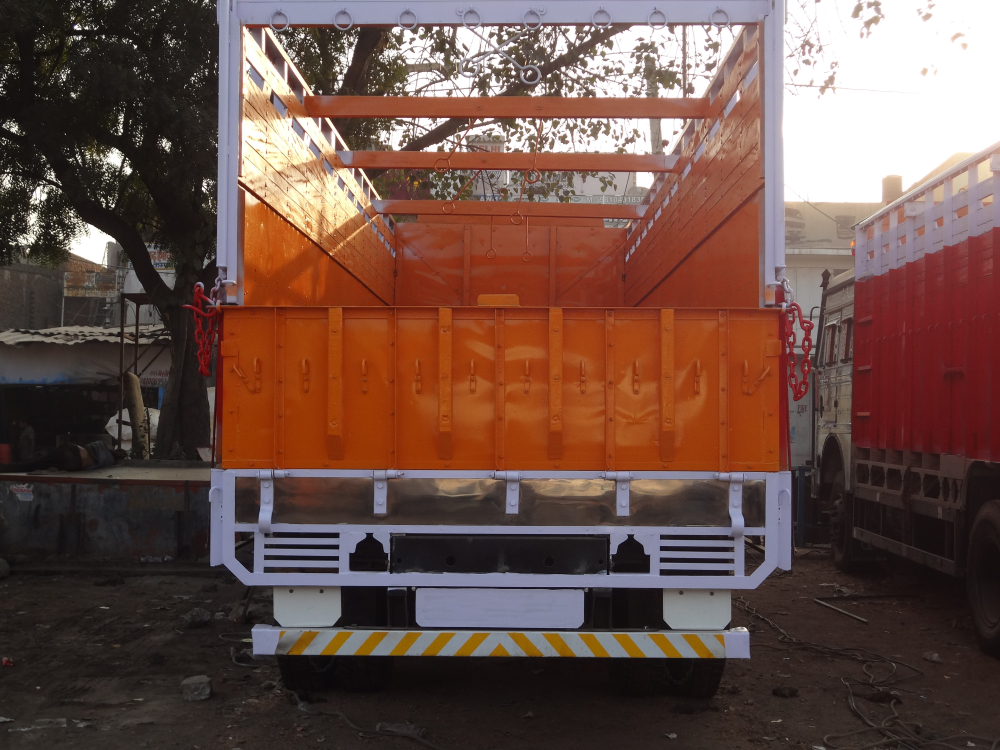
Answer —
801 525
121 369
136 364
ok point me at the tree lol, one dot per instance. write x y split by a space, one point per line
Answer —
108 112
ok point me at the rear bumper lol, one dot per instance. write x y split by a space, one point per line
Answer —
705 644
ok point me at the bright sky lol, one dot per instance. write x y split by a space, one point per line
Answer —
840 145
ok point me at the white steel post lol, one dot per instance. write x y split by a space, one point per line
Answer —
774 165
230 48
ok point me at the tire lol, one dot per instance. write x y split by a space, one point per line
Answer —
306 673
982 577
363 674
694 678
635 678
842 541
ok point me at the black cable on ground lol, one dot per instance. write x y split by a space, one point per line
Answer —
382 729
894 731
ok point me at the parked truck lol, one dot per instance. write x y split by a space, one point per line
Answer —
908 388
503 428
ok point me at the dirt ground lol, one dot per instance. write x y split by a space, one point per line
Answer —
101 666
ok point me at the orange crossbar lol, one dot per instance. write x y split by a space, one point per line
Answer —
513 161
504 107
507 208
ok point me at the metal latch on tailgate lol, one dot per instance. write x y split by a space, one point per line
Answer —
622 480
735 502
382 488
513 479
267 498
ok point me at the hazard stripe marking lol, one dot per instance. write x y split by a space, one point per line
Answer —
629 645
555 640
664 644
591 642
699 647
524 644
404 644
533 643
335 643
370 643
303 642
472 644
438 643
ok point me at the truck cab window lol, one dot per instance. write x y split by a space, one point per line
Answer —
847 340
830 344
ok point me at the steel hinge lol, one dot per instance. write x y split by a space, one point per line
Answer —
380 479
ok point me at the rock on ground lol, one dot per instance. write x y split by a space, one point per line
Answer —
197 688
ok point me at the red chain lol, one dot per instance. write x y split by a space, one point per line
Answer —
206 319
799 387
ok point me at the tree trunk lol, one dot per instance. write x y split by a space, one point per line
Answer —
184 416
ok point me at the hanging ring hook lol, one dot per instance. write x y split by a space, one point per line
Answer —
343 26
716 14
534 77
517 215
656 19
449 205
477 19
442 165
601 18
532 18
467 72
532 176
277 25
407 24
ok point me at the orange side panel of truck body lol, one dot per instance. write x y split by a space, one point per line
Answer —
359 344
716 371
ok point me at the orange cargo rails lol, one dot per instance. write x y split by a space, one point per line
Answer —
511 427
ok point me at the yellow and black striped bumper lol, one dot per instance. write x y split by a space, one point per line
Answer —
722 644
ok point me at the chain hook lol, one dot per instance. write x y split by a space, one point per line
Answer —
206 309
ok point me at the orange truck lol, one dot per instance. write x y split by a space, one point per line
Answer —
500 428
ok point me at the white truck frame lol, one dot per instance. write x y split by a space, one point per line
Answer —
513 614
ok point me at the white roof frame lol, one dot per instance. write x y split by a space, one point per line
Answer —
233 15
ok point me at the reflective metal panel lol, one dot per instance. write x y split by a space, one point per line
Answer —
567 502
686 502
247 499
446 502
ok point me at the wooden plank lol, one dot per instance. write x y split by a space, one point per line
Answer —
501 397
723 391
466 265
553 247
279 388
517 162
609 389
335 388
445 403
505 107
507 208
667 385
555 383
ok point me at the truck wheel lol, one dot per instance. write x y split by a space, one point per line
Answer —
363 674
982 577
305 673
635 678
694 678
841 525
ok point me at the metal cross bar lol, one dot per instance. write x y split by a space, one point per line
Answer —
505 107
507 208
411 13
512 161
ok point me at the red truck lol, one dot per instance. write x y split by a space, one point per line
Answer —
908 387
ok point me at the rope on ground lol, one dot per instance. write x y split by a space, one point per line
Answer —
382 729
894 731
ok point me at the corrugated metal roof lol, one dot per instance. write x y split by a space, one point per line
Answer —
68 335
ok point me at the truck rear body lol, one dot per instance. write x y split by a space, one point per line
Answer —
512 431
